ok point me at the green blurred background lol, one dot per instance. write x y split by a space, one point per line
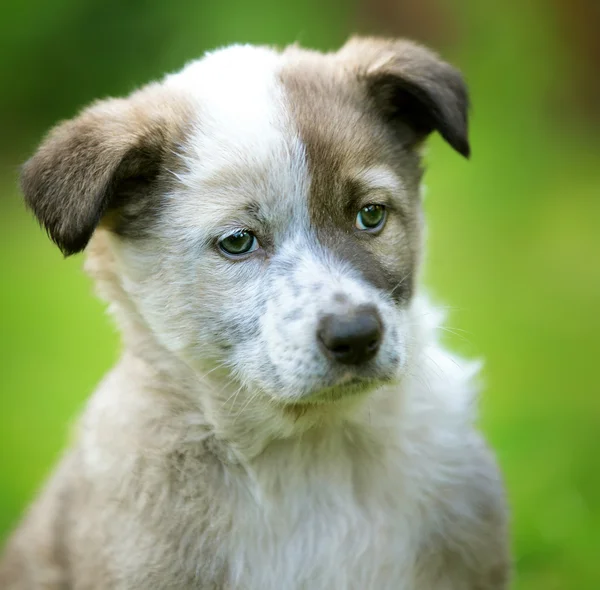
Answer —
514 249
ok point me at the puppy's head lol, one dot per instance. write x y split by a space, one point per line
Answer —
263 208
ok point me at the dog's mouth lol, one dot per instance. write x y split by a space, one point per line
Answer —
341 395
348 387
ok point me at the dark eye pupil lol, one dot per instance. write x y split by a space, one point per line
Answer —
238 243
371 215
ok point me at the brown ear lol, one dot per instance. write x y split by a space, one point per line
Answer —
412 86
85 165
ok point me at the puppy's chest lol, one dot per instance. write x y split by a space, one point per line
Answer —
329 525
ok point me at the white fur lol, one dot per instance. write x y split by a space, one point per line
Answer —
381 178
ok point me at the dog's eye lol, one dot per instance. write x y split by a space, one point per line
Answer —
239 243
371 217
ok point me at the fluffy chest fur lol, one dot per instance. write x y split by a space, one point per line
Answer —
334 513
340 507
351 503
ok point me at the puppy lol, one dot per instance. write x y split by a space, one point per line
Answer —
282 416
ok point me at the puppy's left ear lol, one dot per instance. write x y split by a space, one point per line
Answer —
412 86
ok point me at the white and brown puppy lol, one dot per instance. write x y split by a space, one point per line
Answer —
282 416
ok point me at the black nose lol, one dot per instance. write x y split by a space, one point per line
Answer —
352 338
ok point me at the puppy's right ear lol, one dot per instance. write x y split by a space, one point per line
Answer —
411 85
83 166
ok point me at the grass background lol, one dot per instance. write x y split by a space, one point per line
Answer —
514 247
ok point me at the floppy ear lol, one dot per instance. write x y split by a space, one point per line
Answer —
412 86
85 166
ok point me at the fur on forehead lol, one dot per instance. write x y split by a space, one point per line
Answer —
242 104
244 149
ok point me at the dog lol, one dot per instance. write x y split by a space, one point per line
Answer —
283 416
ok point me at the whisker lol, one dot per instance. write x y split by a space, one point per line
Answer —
454 332
234 395
402 281
219 366
243 408
175 175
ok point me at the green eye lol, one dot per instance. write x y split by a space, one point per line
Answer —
238 243
371 217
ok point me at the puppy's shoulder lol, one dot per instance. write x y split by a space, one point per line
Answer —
466 545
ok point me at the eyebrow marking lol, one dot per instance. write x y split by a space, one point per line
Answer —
248 216
380 178
252 210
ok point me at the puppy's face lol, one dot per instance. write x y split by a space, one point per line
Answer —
263 208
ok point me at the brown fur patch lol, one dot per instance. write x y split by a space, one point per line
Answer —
344 134
96 163
369 105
